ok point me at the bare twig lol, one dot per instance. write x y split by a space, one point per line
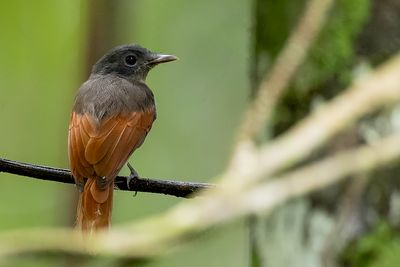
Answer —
167 187
287 63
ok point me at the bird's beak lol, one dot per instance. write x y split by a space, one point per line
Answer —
160 58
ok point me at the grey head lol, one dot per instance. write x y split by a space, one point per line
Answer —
131 62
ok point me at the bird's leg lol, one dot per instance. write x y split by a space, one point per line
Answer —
133 175
80 185
102 182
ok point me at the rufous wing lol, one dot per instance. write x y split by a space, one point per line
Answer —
97 151
101 149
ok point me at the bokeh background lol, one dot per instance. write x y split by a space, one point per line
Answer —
46 49
225 47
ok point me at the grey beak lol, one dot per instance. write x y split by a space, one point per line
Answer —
160 58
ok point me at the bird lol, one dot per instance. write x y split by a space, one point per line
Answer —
111 116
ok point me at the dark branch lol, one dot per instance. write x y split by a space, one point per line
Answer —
167 187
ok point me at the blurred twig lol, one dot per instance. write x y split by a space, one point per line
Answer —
153 236
277 80
167 187
287 63
321 174
246 188
367 94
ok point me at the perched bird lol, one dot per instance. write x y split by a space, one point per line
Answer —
112 114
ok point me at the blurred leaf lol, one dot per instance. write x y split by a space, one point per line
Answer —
380 248
333 52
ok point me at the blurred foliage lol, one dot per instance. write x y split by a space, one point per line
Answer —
333 53
329 64
379 248
200 100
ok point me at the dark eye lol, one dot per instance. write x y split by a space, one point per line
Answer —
130 60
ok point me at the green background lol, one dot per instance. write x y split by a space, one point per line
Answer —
200 100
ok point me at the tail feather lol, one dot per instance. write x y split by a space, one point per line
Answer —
94 212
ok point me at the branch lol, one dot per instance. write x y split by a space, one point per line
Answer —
370 92
266 196
221 204
321 174
292 55
155 235
245 189
167 187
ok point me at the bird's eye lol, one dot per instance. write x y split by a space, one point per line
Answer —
130 60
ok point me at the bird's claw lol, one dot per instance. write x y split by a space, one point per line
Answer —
80 185
133 176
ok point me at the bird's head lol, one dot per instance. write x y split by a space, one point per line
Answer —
131 62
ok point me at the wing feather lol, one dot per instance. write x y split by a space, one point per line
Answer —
98 146
101 149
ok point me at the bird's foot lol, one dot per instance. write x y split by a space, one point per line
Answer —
80 185
133 176
102 182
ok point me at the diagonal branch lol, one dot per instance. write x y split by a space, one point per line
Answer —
276 81
370 92
246 189
155 235
290 58
320 174
167 187
278 189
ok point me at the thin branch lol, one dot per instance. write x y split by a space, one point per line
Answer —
155 236
321 174
223 203
167 187
276 81
274 84
252 194
370 92
367 94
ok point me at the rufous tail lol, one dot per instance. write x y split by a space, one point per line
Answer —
94 207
